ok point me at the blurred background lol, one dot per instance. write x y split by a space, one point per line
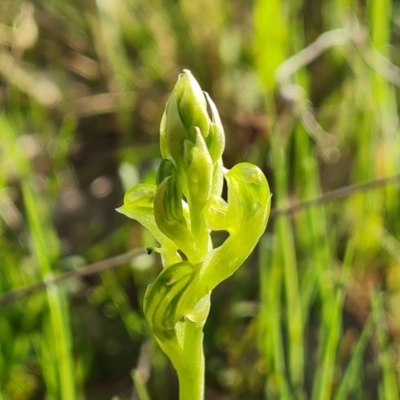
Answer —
306 90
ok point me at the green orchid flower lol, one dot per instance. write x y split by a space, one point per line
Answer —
181 211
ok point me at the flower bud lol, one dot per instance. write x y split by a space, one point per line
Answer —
173 133
168 210
192 105
185 115
163 305
172 202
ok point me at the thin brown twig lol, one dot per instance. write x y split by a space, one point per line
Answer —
90 269
121 259
345 191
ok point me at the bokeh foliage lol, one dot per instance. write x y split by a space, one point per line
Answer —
306 90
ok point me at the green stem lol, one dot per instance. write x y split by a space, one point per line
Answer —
191 378
201 233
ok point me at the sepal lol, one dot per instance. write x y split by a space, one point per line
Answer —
216 137
199 173
173 132
139 205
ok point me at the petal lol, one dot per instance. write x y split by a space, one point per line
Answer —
249 202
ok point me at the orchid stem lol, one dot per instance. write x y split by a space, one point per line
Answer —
191 378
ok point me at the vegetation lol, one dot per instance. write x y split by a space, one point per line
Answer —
307 91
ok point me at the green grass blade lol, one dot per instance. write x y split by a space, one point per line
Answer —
389 384
43 243
350 380
271 341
